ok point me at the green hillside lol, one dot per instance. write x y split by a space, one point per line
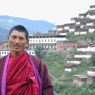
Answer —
63 81
87 37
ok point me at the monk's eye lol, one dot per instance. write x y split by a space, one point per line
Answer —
13 37
21 38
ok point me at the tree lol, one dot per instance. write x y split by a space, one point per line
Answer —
39 51
93 59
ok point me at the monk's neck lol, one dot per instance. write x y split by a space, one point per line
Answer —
15 54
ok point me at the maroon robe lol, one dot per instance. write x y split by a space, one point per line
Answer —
20 77
47 88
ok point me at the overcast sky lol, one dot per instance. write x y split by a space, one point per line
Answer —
54 11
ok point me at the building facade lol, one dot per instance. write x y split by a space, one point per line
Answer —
46 40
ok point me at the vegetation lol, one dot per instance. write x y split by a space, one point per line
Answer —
63 81
93 59
89 36
39 51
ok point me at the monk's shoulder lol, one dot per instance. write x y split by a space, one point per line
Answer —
38 62
2 60
2 63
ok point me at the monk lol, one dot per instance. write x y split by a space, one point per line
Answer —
21 73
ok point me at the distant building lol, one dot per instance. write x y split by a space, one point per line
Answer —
74 60
91 71
79 80
91 74
65 45
48 41
70 67
6 52
3 45
85 79
85 55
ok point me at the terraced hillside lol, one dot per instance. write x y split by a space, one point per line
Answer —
63 81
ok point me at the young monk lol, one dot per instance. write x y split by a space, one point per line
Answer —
21 73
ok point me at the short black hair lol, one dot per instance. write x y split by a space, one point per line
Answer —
20 28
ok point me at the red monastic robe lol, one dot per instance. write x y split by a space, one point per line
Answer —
20 76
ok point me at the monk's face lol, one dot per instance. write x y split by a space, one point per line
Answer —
17 42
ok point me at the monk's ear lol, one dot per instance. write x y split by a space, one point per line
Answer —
27 40
27 45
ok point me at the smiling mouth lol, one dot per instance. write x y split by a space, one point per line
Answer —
16 47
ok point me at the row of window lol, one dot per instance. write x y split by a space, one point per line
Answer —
4 52
41 40
45 46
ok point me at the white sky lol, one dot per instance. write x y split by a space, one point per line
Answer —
55 11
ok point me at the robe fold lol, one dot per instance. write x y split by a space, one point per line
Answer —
25 75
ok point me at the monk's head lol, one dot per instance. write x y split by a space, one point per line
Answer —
18 39
20 28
